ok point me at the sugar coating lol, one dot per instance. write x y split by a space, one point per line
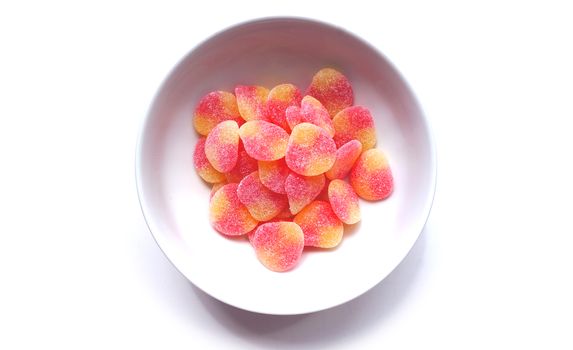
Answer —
354 123
332 89
264 140
277 218
262 203
310 111
273 174
213 108
278 245
227 214
280 98
371 176
344 201
216 187
222 146
320 225
346 156
251 101
202 165
293 116
245 165
301 190
310 150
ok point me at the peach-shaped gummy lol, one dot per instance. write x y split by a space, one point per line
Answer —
310 150
293 116
262 203
278 245
354 123
264 140
321 227
222 146
310 111
346 156
301 190
251 101
280 98
332 89
371 176
213 108
245 165
202 165
227 214
344 201
273 174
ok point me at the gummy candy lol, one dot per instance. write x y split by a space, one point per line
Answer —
332 89
371 176
344 201
346 156
310 150
321 227
245 165
278 245
264 140
222 146
280 98
273 174
311 111
262 203
202 165
227 214
301 190
354 123
213 108
251 101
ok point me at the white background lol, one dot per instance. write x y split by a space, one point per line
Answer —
492 269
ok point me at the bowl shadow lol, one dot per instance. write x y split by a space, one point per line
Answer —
328 326
190 305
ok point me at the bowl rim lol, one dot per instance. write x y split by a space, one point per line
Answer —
427 208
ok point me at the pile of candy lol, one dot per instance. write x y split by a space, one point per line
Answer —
278 160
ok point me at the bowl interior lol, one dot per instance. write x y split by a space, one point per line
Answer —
175 200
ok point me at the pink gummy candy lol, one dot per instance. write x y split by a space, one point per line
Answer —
354 123
321 227
301 190
264 140
346 156
371 176
202 165
310 150
332 89
280 98
222 146
227 214
251 101
310 111
278 245
213 108
262 203
344 201
293 116
273 174
245 165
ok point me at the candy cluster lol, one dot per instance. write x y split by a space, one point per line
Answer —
278 160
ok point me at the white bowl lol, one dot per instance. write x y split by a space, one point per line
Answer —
174 200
